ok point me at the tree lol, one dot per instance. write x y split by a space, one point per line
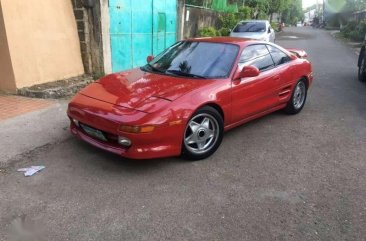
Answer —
244 13
355 5
277 6
259 7
293 13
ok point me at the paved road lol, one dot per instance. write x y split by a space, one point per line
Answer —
277 178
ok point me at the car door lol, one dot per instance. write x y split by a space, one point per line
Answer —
284 70
273 35
253 95
269 32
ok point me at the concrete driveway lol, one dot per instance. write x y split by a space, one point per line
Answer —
280 177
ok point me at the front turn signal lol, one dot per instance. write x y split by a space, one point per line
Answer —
137 129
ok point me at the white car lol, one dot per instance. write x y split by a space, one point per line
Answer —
299 24
254 29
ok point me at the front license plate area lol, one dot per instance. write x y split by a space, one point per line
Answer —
93 132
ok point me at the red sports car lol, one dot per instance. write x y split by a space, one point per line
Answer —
183 100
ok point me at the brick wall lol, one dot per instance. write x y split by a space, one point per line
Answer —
87 15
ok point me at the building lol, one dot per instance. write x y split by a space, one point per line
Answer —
38 43
57 39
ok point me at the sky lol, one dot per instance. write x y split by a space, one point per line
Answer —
308 3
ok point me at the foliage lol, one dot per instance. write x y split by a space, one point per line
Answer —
277 6
290 11
362 27
223 32
346 30
228 20
354 31
207 32
259 8
355 5
293 13
244 13
275 26
339 6
355 35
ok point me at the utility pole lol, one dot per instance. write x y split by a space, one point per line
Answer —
324 13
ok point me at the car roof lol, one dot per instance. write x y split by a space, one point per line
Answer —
228 40
254 20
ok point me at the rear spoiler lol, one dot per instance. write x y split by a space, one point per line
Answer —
299 53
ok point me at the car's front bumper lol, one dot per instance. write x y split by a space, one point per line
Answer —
161 143
165 140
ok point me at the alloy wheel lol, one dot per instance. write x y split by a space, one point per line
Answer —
201 133
299 95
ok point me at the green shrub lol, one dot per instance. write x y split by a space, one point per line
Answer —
207 32
274 25
262 15
244 13
361 29
224 32
354 31
348 28
228 20
356 35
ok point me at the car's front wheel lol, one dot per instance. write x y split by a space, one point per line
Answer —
203 134
298 98
362 69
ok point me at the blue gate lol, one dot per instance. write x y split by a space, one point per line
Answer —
139 28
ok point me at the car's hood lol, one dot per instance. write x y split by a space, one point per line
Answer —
141 90
255 35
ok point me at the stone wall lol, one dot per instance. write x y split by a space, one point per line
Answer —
87 14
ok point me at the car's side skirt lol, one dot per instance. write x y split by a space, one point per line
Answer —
231 126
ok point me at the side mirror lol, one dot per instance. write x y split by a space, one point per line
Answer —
247 71
284 60
269 30
149 58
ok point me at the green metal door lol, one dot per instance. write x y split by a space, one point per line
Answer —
139 28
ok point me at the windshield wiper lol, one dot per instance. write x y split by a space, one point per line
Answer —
181 73
154 69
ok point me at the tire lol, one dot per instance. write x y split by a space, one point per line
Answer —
298 98
362 69
203 134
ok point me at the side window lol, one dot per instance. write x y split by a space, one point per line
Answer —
258 56
278 56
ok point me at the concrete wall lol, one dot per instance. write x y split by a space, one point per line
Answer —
197 18
43 41
7 81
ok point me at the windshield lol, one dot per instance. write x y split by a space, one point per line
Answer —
250 27
196 60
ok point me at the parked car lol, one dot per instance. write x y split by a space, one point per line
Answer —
362 63
299 24
183 100
254 29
